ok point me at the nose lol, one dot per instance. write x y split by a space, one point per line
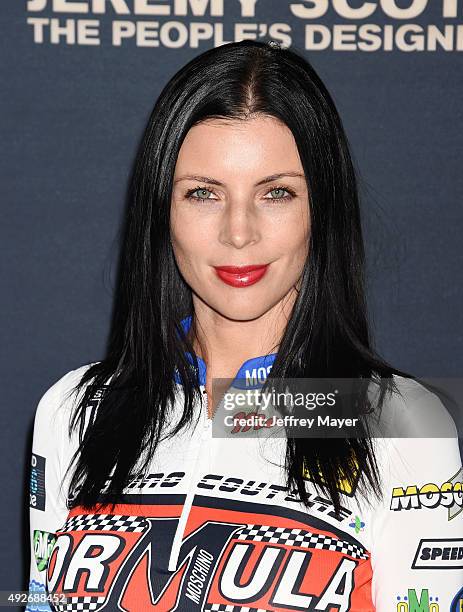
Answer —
239 227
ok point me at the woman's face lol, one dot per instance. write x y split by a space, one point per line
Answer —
229 209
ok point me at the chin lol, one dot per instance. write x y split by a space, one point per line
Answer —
242 309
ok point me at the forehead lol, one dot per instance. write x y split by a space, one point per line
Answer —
238 148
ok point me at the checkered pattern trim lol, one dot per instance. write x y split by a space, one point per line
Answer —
300 537
74 604
104 522
230 608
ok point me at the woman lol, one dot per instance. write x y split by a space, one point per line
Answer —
242 253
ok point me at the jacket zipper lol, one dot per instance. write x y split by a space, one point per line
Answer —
178 537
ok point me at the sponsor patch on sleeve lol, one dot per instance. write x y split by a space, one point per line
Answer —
37 482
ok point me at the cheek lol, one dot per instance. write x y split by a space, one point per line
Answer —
301 232
291 237
188 242
180 241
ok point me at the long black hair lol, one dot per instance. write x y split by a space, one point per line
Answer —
327 334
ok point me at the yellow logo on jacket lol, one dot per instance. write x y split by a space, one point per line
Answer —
343 486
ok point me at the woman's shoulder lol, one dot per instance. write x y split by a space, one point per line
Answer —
417 409
53 444
54 406
417 440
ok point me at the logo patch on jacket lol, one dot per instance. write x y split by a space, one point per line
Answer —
233 553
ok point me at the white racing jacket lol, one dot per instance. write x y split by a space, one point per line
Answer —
212 527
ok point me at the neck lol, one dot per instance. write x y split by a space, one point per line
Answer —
224 344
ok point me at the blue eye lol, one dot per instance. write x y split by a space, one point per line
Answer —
190 192
282 198
278 197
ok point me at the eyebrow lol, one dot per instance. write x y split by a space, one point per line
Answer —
212 181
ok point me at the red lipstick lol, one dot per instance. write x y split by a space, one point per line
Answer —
241 276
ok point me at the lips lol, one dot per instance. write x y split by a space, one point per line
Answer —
241 276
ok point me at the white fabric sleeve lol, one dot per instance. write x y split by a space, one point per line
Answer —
48 509
417 530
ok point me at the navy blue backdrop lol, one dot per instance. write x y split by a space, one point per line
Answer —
79 80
